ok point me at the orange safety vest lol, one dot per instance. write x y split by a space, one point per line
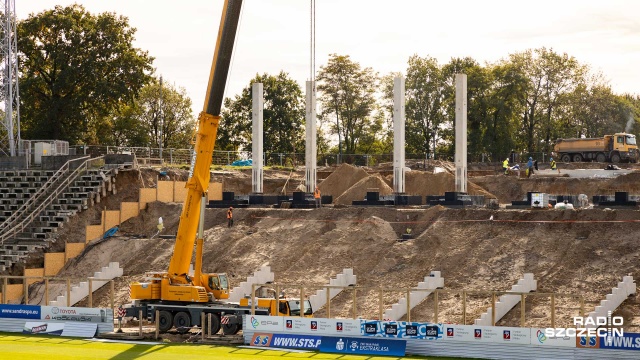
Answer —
316 193
229 214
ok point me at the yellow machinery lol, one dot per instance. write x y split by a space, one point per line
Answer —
614 148
173 297
281 307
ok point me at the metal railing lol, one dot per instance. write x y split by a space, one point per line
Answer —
28 219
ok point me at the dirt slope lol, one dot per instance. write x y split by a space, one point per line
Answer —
310 246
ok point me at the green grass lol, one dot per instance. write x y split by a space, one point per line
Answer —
13 346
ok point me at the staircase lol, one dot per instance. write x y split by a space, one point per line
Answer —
35 209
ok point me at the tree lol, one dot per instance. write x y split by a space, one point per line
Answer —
283 116
76 68
424 91
348 94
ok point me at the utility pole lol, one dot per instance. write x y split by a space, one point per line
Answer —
9 80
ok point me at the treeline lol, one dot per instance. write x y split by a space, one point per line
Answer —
83 81
521 103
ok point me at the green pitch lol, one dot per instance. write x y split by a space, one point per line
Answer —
15 346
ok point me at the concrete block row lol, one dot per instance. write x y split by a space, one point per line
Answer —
507 302
430 283
345 278
81 291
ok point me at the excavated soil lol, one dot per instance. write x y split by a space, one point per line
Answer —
309 247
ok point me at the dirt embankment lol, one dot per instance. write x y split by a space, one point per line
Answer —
311 246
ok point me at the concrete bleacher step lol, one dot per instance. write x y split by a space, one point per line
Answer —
79 292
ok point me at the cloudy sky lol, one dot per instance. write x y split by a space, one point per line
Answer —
274 34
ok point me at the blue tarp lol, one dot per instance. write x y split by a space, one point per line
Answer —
242 163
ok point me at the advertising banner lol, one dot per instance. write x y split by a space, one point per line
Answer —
265 323
261 339
295 341
91 315
539 338
369 346
43 328
298 325
629 341
402 330
20 311
496 334
289 341
591 342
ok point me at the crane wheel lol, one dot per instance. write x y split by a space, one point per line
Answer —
215 323
165 321
182 322
231 329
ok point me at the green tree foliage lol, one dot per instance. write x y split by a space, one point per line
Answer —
283 117
139 122
76 68
348 96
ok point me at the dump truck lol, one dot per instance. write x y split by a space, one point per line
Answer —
609 148
176 298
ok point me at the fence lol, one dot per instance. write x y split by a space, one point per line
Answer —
225 158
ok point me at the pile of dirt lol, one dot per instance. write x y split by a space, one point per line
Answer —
426 183
359 190
472 252
344 177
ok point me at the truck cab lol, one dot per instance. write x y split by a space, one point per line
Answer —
280 307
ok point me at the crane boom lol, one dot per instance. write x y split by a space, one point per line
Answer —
208 121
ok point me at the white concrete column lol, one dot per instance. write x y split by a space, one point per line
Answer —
461 133
398 135
310 145
257 140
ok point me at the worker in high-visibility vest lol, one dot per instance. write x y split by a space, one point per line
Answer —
317 197
553 164
505 166
230 217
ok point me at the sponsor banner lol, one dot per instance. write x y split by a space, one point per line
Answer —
402 329
591 342
368 346
628 341
539 338
301 325
496 334
295 341
91 315
265 323
20 311
43 328
261 339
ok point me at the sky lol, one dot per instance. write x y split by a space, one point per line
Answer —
274 35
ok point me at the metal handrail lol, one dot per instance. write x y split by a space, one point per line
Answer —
42 190
52 196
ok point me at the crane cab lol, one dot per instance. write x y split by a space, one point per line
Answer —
280 307
216 284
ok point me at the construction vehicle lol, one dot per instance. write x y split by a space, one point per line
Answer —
179 299
609 148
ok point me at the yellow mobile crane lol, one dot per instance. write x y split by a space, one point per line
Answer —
179 298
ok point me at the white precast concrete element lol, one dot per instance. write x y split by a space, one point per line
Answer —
399 309
262 276
461 133
507 302
113 270
310 156
618 295
345 278
398 135
257 139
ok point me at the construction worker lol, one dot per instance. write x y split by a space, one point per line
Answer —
530 167
230 217
317 197
505 166
553 164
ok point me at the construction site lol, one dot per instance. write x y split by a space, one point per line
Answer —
579 254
